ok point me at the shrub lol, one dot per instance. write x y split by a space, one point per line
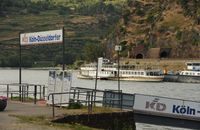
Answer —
75 105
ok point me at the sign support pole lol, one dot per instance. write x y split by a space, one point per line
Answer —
20 67
96 79
63 65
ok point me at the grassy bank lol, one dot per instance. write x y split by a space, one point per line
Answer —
46 122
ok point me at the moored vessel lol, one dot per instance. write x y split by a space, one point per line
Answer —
190 75
109 71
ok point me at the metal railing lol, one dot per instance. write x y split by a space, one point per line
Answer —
24 91
91 98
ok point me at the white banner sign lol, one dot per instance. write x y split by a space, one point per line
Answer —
166 106
46 37
59 82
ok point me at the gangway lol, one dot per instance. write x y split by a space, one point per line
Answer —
166 111
148 109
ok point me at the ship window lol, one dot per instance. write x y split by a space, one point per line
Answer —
196 64
156 73
138 73
142 73
198 74
186 73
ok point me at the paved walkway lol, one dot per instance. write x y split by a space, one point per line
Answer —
8 122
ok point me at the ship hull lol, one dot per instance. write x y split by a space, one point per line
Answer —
182 78
139 79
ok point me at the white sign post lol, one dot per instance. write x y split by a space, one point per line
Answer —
59 82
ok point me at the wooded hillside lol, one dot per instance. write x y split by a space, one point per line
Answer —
94 27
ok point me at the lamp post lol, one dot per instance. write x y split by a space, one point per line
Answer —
118 48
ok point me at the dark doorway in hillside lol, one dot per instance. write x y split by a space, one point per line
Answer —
164 54
139 56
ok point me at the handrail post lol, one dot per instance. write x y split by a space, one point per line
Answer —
53 105
27 91
121 101
89 110
74 94
43 91
35 94
40 92
92 102
7 90
78 96
20 92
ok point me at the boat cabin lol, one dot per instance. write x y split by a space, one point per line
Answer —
195 66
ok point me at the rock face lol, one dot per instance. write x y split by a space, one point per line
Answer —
165 29
3 103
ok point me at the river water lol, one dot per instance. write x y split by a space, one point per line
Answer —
185 91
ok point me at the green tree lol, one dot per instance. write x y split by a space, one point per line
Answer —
92 51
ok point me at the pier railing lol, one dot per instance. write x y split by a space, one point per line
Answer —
146 108
24 91
91 98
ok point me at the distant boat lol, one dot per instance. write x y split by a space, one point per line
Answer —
109 71
191 75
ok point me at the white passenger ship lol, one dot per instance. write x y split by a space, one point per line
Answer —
109 71
193 69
